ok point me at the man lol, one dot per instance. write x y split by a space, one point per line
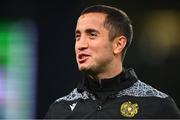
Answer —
103 35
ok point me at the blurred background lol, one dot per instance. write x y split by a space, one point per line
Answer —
37 61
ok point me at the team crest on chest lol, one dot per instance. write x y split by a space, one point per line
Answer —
128 109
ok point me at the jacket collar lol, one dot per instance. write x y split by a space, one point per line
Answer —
122 81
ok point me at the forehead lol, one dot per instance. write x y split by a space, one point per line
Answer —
91 20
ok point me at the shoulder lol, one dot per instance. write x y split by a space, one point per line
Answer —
152 102
60 107
75 95
141 89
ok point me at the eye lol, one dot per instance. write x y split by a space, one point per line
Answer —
92 35
77 37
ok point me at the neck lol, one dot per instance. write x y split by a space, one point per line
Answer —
110 73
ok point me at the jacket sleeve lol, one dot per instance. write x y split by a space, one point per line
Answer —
161 108
48 114
170 109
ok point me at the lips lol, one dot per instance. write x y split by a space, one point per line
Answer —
82 57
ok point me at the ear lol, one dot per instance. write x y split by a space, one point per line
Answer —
119 44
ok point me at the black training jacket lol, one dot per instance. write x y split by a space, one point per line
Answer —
123 96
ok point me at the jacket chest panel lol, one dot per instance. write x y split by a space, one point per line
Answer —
97 109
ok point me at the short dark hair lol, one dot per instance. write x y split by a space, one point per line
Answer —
117 22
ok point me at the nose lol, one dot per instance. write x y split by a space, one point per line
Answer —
82 43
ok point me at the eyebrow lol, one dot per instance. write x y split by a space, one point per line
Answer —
89 30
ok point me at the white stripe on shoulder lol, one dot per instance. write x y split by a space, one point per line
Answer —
74 95
140 89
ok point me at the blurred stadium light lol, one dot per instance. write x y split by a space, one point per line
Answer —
17 69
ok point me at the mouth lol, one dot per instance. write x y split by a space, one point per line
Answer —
82 57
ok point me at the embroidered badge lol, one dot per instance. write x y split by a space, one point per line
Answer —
128 109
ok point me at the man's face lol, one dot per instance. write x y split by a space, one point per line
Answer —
94 50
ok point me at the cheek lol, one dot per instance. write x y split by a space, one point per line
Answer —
75 49
103 51
76 52
75 46
105 48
